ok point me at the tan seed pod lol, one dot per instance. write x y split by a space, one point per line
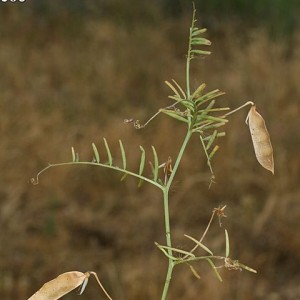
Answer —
261 139
60 286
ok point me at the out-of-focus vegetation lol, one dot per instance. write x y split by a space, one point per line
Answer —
71 72
280 17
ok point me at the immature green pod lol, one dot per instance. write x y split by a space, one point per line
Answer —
261 139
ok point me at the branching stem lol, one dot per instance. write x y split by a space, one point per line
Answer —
169 243
166 189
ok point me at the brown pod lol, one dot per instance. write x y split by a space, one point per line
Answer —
60 286
261 139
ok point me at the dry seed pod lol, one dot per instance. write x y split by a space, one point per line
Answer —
261 139
60 286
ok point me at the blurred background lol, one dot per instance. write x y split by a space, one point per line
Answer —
71 72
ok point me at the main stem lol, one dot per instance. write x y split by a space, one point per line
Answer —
176 165
169 244
167 215
188 57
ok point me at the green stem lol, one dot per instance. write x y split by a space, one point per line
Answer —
188 69
167 215
169 244
176 165
188 59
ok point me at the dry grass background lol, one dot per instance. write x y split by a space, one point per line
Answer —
65 83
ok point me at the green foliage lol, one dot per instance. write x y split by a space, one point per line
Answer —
190 107
109 164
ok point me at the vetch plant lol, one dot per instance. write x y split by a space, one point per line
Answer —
198 112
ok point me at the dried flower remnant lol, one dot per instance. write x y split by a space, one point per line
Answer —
220 212
261 139
167 169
